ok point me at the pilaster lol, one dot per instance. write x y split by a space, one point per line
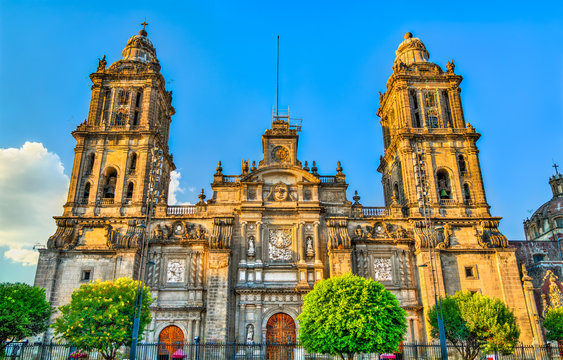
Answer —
217 295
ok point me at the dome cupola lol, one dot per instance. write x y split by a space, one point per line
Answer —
411 51
139 48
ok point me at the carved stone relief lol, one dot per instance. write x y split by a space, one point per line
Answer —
382 269
280 245
176 271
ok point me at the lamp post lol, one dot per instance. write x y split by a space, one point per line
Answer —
155 173
422 195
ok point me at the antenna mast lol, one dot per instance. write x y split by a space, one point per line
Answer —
277 77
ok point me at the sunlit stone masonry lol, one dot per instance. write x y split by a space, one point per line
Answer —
236 265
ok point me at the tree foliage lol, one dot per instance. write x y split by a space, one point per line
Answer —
24 312
100 316
349 314
474 323
553 323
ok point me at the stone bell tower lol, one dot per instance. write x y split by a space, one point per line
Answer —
431 174
421 115
129 116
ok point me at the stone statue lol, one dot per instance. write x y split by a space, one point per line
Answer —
102 63
251 250
450 66
310 251
250 334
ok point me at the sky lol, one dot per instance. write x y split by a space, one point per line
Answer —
219 59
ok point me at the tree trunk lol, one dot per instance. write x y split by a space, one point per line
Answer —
560 347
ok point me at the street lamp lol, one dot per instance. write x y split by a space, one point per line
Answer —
155 173
422 195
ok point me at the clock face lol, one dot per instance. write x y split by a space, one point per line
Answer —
280 153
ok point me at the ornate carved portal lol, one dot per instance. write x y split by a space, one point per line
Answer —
171 338
280 329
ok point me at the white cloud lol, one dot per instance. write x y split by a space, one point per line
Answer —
174 189
33 188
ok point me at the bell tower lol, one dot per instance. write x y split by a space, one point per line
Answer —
127 125
429 148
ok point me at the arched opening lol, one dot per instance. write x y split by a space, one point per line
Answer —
444 188
461 164
129 194
86 194
133 163
280 329
170 340
109 183
466 193
90 163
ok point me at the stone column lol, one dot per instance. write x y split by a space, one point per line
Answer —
301 265
197 327
217 295
243 242
242 323
317 243
259 245
318 262
300 242
532 307
190 330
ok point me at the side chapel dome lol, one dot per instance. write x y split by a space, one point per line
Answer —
411 51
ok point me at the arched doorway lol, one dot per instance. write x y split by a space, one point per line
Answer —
171 338
280 331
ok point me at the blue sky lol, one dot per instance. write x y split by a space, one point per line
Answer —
219 59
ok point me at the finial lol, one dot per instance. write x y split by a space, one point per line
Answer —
306 167
408 35
143 32
555 166
339 169
201 197
314 169
253 168
356 198
219 168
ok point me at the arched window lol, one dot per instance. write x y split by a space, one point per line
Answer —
466 193
444 188
90 163
109 183
86 193
130 187
461 164
133 163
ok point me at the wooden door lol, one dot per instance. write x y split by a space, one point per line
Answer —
280 337
171 338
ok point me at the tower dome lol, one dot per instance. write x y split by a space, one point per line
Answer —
411 51
139 48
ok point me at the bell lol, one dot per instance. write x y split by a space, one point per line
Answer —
443 193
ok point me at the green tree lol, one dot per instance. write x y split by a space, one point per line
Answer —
24 312
553 323
100 316
349 314
474 323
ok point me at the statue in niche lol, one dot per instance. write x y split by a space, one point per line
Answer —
309 242
250 334
251 250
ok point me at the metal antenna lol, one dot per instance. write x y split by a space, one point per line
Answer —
278 77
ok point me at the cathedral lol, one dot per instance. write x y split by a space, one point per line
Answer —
235 267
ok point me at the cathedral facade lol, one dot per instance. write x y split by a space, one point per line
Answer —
235 267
